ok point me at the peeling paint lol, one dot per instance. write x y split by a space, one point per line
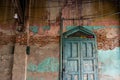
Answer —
34 29
49 64
99 27
88 27
40 78
92 27
34 78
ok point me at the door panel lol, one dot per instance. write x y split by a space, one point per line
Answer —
71 61
88 77
68 77
79 60
88 66
72 66
88 60
89 49
74 49
75 77
84 49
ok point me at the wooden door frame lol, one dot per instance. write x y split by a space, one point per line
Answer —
63 36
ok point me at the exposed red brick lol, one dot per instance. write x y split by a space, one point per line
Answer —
104 42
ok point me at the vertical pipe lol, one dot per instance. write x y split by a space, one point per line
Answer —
28 9
61 51
28 36
14 25
28 21
81 20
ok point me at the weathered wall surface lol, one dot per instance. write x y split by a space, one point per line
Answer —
6 62
43 61
44 57
6 54
107 30
6 40
108 52
19 65
109 64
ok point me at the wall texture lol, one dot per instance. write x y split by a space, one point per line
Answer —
6 62
6 40
43 61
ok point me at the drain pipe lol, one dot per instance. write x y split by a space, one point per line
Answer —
28 36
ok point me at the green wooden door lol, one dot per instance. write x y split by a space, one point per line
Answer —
79 60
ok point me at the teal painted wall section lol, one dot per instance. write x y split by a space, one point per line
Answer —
34 78
92 27
99 27
34 29
110 61
49 64
40 78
